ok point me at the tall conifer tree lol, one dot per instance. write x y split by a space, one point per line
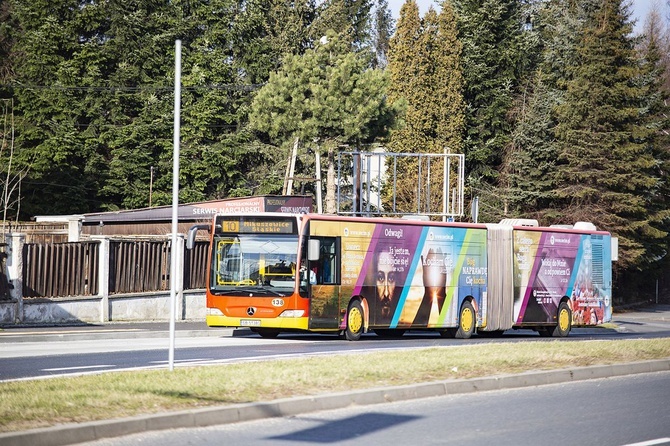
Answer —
606 167
350 19
490 33
425 67
653 51
528 174
59 63
403 68
382 32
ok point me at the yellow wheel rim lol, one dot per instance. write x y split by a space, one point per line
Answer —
355 320
467 319
564 319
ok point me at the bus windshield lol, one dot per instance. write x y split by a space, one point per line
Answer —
248 263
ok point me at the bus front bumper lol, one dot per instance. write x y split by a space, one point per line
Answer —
282 323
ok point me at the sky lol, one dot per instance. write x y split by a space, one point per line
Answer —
640 9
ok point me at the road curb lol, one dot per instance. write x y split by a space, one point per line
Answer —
91 431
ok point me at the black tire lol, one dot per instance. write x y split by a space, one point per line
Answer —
467 321
268 333
389 333
355 318
563 321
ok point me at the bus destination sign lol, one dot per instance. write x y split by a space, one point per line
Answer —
247 225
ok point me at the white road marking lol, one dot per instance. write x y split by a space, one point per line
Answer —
186 361
650 442
30 349
62 369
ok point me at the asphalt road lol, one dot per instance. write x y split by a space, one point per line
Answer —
38 352
609 412
608 415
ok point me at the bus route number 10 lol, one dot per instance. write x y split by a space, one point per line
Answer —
230 226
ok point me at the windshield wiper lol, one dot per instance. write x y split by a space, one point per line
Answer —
247 290
223 292
276 293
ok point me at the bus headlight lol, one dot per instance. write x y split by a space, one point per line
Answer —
292 313
214 312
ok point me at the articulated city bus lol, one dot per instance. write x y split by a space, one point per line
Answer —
276 273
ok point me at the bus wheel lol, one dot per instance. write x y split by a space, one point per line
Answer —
269 333
354 322
466 321
564 323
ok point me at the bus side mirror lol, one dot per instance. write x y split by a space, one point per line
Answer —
192 232
313 249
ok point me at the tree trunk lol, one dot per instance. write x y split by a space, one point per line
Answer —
330 179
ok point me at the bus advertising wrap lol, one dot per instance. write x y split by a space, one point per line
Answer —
551 265
351 276
413 275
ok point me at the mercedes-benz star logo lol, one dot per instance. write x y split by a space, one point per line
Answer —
251 311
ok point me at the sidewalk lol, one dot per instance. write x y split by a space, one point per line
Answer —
117 330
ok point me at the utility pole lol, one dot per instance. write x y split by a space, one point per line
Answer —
151 184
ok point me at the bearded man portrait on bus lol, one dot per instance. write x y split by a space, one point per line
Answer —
388 286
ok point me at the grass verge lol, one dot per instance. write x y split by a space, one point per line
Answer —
40 403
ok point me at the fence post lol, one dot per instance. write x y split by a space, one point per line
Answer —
74 228
103 276
179 282
15 272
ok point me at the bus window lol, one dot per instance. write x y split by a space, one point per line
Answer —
250 260
327 266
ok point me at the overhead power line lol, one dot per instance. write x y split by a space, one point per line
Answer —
238 87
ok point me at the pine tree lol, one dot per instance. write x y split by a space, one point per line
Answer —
426 76
98 129
58 66
527 179
383 30
528 176
653 50
266 31
349 19
606 169
138 139
446 75
327 97
403 68
490 32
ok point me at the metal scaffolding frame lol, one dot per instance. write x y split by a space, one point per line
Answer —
363 177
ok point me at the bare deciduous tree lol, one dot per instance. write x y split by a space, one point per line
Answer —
10 197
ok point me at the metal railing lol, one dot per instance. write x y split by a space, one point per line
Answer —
60 269
138 266
397 184
135 266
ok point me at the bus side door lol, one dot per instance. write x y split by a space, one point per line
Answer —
325 293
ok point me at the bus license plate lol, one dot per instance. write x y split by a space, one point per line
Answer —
250 323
